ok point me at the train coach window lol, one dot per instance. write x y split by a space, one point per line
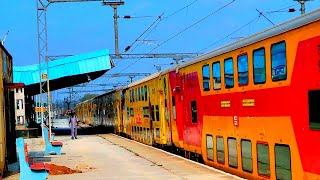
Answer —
141 134
314 115
174 108
243 69
232 152
152 113
209 147
157 113
220 150
145 93
216 73
194 111
283 161
246 155
146 111
136 95
148 135
259 66
206 77
142 93
279 61
131 112
139 94
263 159
228 73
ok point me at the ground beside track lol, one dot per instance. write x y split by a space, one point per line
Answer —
107 156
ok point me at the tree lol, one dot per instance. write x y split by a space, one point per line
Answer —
88 96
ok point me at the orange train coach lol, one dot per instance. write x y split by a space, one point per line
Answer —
249 108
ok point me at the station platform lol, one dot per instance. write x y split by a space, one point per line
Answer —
108 156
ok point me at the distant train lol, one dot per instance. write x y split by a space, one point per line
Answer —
251 108
7 118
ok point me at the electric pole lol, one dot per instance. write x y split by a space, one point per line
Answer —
303 7
115 5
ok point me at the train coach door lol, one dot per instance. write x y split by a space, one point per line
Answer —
167 103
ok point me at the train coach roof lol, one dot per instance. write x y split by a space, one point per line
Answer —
279 29
276 30
152 76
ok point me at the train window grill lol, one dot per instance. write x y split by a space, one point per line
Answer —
314 114
243 70
232 153
142 94
132 131
206 77
259 66
174 113
209 147
216 74
133 96
145 93
157 113
152 113
263 159
246 155
139 94
278 61
194 111
220 150
283 161
148 140
228 73
131 112
146 111
141 134
137 133
157 132
144 134
136 95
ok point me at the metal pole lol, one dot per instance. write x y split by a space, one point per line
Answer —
303 7
115 19
40 11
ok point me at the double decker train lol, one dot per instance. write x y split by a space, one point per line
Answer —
250 108
7 118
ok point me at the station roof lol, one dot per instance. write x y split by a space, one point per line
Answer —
64 72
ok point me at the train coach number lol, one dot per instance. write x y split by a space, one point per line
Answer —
235 120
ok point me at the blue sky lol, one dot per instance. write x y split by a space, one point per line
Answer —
75 28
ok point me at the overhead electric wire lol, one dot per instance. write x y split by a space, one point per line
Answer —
156 24
180 9
241 28
128 47
182 32
177 11
230 34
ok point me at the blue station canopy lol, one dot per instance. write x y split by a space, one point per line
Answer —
64 72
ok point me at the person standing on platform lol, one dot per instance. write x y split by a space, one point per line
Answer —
73 125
